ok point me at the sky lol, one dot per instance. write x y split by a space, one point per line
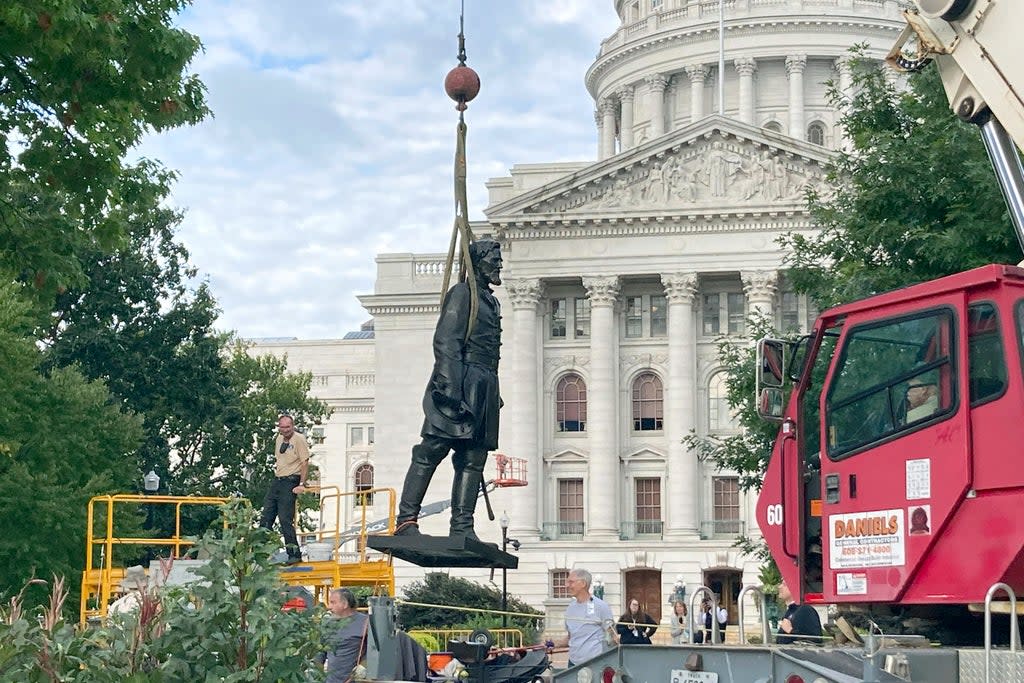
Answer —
332 139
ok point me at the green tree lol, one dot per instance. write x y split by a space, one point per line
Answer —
914 199
80 84
62 440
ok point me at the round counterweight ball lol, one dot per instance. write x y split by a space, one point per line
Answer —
462 85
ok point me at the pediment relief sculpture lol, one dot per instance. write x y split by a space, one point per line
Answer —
715 172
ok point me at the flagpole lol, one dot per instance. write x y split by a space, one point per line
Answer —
721 57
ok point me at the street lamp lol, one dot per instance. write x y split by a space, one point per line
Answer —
504 521
598 587
150 484
679 590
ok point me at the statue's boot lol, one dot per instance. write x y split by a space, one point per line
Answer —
465 492
417 479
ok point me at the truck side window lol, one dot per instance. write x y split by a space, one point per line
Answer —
892 376
987 363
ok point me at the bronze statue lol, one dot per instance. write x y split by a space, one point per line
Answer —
462 400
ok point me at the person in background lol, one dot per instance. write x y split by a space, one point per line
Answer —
292 463
800 623
588 620
701 622
680 624
723 620
635 626
344 637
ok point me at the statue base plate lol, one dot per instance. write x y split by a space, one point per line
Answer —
443 551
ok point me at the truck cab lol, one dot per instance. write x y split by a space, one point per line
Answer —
897 473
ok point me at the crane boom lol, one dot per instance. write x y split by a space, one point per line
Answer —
976 48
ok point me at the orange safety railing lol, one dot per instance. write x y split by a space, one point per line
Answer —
97 581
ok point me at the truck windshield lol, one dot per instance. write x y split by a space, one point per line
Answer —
891 376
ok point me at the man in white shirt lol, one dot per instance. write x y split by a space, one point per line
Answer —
588 620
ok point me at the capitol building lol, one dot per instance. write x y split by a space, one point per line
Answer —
621 275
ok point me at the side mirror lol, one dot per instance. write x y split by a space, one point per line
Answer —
769 404
771 363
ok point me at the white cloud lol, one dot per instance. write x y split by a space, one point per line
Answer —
333 139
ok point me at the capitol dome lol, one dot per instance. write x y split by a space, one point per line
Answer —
660 69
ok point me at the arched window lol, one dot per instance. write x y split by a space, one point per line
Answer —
571 404
364 482
816 134
773 126
647 403
720 416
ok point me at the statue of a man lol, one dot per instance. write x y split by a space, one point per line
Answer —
461 402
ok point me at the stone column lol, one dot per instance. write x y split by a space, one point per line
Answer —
607 108
602 413
795 65
745 67
760 286
626 118
680 410
525 294
698 73
845 83
657 84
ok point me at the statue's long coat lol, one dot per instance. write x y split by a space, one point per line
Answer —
462 398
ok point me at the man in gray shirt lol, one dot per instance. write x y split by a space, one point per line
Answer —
344 636
588 620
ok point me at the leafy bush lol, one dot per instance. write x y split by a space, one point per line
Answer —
438 588
228 628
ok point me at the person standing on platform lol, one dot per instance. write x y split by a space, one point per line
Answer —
635 627
800 623
292 464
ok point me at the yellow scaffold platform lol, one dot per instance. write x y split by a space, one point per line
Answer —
338 557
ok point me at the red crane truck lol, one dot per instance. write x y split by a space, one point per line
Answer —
897 479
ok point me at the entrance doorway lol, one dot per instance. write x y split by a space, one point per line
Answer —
645 586
726 584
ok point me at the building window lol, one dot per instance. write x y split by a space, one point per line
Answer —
570 507
659 315
773 126
726 496
736 305
571 404
316 436
656 4
648 505
730 306
634 316
560 583
816 134
721 417
364 482
647 403
558 318
369 435
355 436
790 312
712 314
581 317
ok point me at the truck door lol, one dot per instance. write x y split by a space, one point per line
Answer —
896 436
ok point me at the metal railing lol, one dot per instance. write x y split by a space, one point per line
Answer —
764 614
554 531
503 637
713 528
641 528
100 574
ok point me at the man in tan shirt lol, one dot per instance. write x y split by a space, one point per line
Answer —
292 454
